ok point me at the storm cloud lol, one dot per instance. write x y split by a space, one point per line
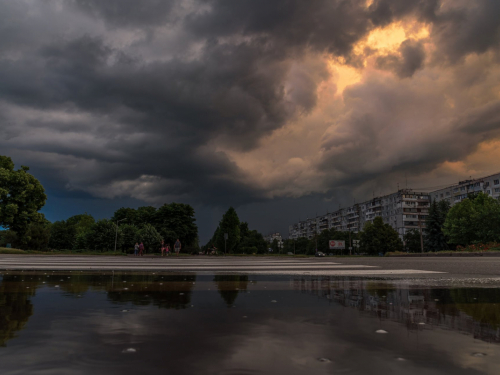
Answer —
241 102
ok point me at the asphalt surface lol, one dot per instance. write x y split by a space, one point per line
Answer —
447 269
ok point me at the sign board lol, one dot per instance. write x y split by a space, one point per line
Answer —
355 242
337 244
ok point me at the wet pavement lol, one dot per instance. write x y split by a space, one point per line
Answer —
110 322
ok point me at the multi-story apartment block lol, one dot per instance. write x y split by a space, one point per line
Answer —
403 210
489 185
271 237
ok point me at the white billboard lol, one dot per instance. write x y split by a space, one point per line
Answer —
337 244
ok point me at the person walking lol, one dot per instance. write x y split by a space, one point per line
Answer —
177 246
141 249
136 249
167 249
162 247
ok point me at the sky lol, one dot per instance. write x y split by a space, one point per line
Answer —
283 109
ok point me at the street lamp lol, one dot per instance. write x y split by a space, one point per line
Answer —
226 236
116 233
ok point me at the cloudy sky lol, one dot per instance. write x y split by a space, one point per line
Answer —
281 108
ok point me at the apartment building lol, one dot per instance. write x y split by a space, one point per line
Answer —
271 237
403 210
489 185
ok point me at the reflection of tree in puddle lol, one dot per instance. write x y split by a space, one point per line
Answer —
16 290
15 306
230 285
165 291
483 305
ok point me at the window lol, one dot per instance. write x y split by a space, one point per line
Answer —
486 184
455 190
488 192
497 190
496 182
447 193
462 188
441 195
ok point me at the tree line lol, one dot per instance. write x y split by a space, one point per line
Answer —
22 196
473 222
240 238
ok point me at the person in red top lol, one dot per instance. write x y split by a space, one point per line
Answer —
141 249
163 248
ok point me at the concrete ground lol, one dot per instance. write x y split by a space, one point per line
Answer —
449 269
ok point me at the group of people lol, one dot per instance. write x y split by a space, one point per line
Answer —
165 248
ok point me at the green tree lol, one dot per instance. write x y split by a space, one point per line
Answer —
229 224
378 237
275 246
21 197
412 241
130 235
82 222
150 237
146 215
177 220
38 235
435 238
65 232
62 235
252 242
129 215
101 236
473 221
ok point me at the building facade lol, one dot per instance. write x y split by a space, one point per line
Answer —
489 185
274 236
404 210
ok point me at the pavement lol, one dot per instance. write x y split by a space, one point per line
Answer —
484 269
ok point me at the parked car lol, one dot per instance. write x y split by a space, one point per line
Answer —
320 254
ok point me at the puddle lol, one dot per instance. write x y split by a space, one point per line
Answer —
189 324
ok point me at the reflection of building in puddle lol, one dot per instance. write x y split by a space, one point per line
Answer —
466 310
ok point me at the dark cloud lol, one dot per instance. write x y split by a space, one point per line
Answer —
411 58
148 99
128 12
467 27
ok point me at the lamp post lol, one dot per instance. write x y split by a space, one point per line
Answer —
226 235
116 233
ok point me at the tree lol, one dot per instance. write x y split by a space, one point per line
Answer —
252 242
64 233
150 237
177 220
229 224
38 235
21 197
275 245
378 237
101 236
130 216
434 237
412 241
473 221
171 221
130 235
